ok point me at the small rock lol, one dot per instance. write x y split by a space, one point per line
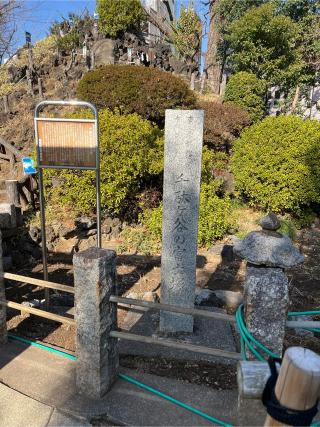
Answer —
33 303
270 222
35 234
150 296
217 249
132 295
229 298
116 230
92 232
206 297
85 223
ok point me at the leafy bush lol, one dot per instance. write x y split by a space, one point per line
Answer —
246 91
131 150
146 91
214 216
276 163
116 17
223 123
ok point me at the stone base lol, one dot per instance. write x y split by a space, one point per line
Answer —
175 323
207 332
266 300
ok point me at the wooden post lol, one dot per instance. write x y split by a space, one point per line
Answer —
3 311
6 104
298 382
40 88
29 80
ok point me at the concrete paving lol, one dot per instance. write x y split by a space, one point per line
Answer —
48 380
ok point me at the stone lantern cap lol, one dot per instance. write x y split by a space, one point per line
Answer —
267 247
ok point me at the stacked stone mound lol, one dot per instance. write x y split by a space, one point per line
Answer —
266 296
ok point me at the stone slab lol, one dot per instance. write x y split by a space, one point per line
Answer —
60 419
17 410
51 380
181 189
207 332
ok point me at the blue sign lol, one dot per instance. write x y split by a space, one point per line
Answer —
28 165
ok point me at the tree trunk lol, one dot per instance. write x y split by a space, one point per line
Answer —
213 65
295 101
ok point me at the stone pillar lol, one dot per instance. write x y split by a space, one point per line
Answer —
182 173
95 316
12 192
266 294
3 311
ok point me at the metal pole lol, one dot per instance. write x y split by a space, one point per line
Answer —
98 181
43 237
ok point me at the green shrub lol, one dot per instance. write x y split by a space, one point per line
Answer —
276 163
135 89
222 124
116 17
214 216
246 91
131 150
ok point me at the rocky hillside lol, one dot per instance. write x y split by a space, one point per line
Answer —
58 74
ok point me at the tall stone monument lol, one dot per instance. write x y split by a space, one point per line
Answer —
182 174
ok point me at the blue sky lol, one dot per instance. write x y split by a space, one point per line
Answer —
41 13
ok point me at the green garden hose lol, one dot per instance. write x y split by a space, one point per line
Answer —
130 380
253 345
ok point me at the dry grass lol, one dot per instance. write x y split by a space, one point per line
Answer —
208 97
246 220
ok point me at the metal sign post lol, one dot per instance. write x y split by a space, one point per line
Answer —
66 144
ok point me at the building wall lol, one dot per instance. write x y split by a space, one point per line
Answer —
165 9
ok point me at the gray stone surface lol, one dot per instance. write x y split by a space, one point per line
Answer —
60 419
182 172
3 311
270 222
266 305
17 410
8 216
97 353
229 298
104 52
207 332
50 379
268 248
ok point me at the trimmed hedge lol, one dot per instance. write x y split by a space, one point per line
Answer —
135 89
222 124
246 91
276 164
131 151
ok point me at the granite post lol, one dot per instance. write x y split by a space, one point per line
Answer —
3 311
97 353
182 174
266 296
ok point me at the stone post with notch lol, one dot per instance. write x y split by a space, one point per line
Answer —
266 294
3 311
182 174
97 353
